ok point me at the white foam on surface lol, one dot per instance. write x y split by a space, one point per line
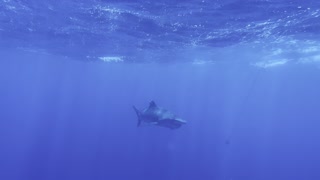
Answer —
271 63
111 59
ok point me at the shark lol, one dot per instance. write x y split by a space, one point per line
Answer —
154 115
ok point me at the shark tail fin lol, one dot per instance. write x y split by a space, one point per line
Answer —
138 114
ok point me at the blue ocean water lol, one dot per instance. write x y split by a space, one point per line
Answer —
244 74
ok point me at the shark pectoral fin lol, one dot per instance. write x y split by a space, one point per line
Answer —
138 114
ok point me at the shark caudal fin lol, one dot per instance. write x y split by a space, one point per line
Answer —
138 114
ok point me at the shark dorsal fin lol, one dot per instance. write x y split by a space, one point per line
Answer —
152 104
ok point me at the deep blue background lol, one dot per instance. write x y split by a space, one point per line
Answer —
63 119
244 74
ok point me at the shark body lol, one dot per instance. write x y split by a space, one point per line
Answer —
154 115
